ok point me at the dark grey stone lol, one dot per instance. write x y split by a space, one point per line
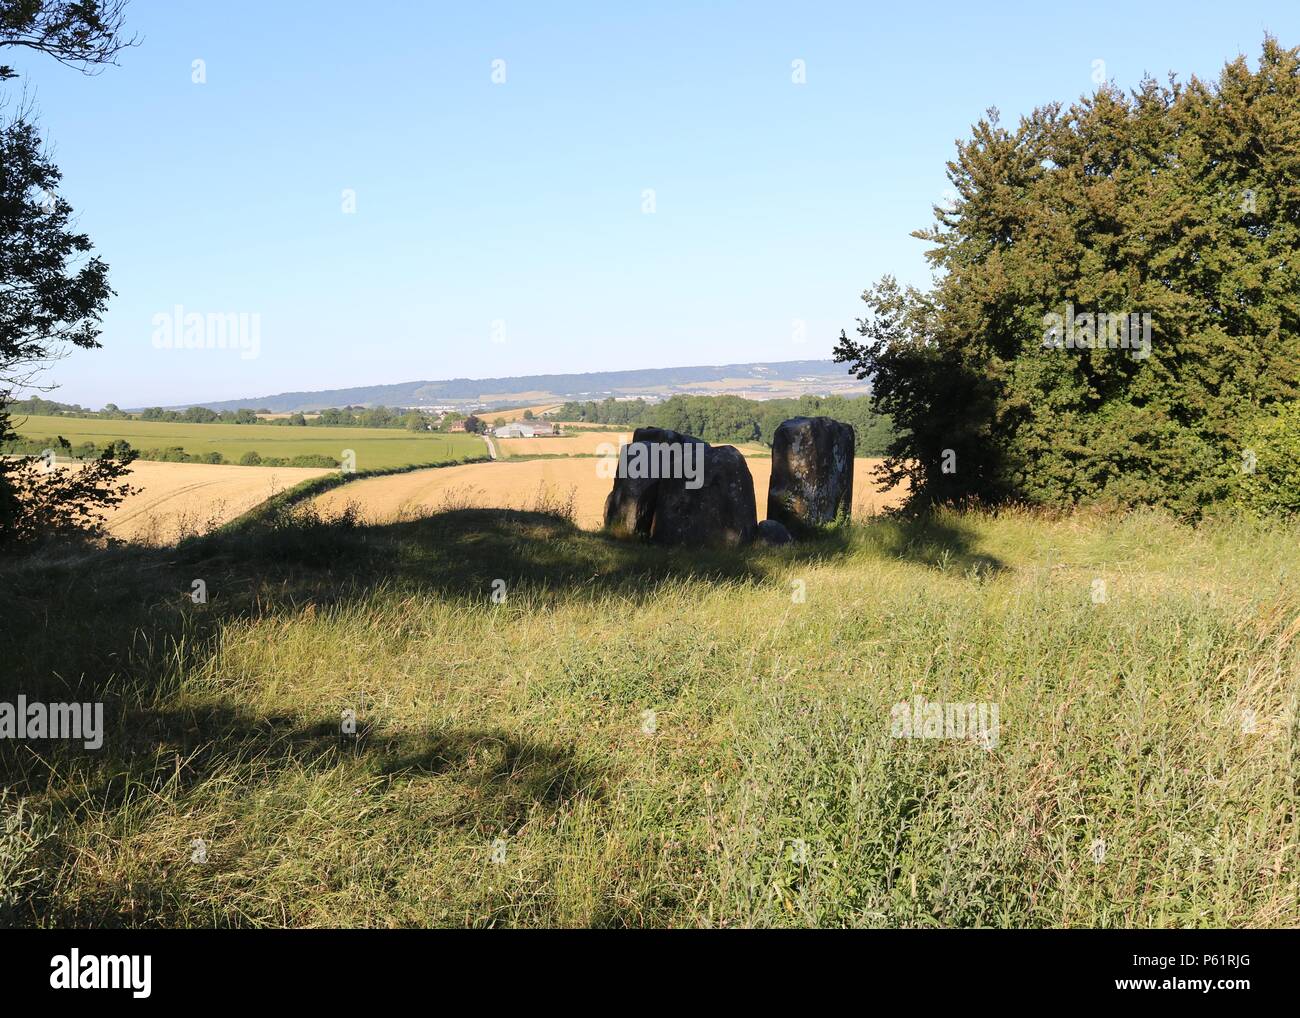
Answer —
812 472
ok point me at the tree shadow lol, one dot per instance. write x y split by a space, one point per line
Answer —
939 540
77 623
124 626
507 778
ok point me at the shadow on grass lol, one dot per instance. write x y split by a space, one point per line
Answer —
498 779
82 625
120 626
939 540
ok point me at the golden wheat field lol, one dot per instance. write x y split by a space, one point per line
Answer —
530 484
176 499
572 443
502 416
590 443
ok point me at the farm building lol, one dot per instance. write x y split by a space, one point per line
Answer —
525 429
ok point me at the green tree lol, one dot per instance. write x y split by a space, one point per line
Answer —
1181 202
51 293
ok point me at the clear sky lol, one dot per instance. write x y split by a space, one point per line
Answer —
521 203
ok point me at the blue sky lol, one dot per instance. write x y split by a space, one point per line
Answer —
521 203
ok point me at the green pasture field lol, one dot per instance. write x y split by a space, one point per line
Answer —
375 448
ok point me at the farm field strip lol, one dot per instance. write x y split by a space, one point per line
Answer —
516 485
375 448
176 499
504 416
593 443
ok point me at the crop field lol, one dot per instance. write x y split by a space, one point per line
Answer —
572 443
179 499
375 448
525 484
502 416
590 443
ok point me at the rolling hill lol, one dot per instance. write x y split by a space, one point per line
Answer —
755 381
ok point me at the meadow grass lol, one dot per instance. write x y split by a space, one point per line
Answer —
375 448
507 771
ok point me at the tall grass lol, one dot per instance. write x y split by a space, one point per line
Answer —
638 737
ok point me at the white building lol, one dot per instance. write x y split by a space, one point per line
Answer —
525 429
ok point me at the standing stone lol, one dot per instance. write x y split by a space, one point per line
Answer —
722 511
812 472
630 506
665 507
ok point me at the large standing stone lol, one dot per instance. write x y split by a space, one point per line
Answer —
812 472
721 511
630 506
697 494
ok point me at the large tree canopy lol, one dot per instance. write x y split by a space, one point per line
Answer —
1180 202
85 34
52 293
48 293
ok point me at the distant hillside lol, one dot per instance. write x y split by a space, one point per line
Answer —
754 381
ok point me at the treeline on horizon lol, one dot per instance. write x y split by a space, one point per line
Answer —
727 419
346 417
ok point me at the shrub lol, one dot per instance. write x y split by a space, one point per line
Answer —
250 459
1270 463
42 504
314 460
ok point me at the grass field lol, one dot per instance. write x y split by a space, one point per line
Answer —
520 485
375 448
509 770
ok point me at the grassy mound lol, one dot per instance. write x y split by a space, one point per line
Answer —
636 737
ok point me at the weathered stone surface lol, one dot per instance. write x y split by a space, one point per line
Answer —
772 532
698 494
721 511
812 472
630 506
